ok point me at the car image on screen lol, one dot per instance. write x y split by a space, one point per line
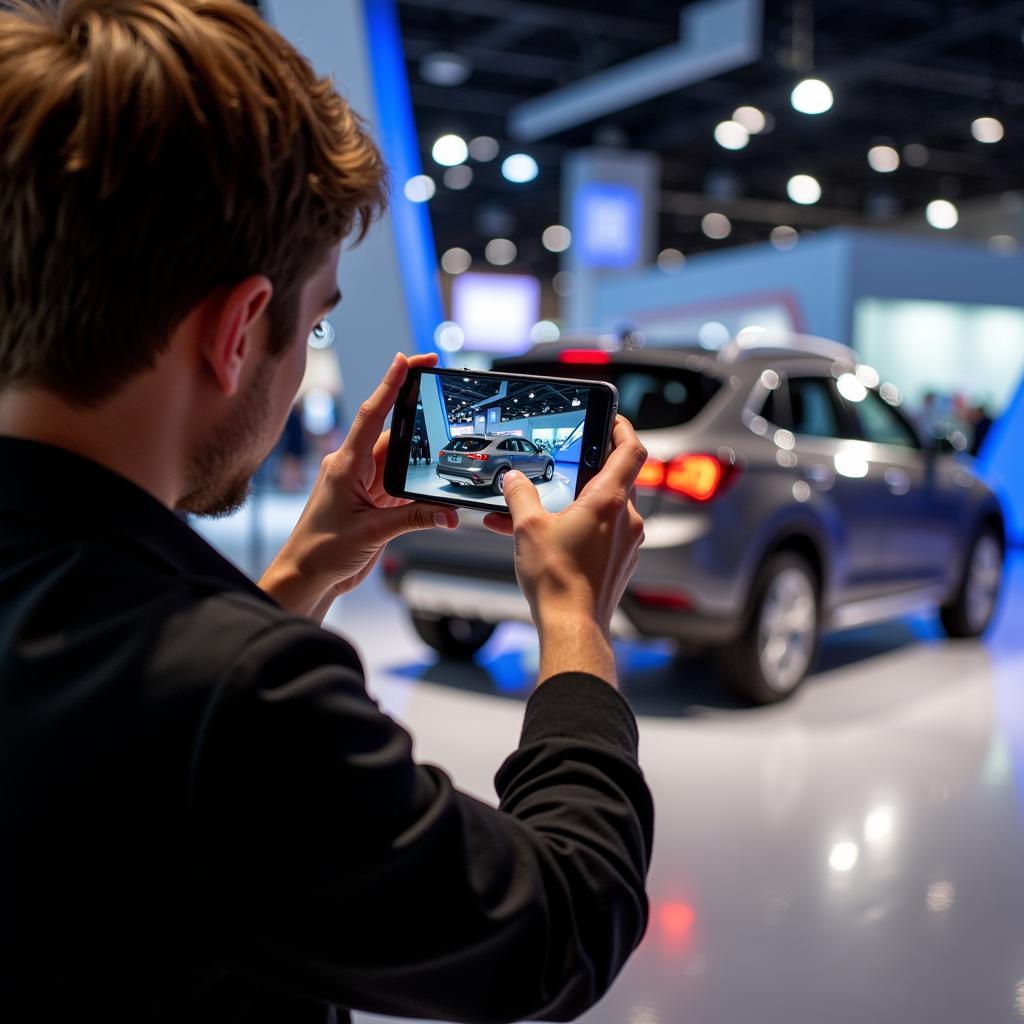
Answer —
477 460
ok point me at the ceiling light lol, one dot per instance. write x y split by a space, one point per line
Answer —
803 189
883 159
419 188
500 251
450 150
459 177
519 168
811 96
445 68
941 214
716 225
987 129
751 118
670 260
483 148
456 261
713 335
784 237
556 238
449 336
731 135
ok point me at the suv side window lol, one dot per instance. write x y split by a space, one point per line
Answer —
881 424
813 408
506 446
529 447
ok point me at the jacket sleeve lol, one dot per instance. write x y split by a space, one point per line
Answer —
332 865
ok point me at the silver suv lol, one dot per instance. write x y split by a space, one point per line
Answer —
785 495
482 460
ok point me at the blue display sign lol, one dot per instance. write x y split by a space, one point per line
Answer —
607 225
493 418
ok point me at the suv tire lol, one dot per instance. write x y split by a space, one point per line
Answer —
976 598
499 479
452 637
779 643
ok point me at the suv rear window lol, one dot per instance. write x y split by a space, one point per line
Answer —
466 444
650 397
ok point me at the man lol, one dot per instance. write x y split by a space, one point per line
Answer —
205 817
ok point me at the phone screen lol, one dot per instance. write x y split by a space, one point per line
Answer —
469 429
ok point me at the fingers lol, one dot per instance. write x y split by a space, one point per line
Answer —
498 522
424 361
417 515
369 421
521 497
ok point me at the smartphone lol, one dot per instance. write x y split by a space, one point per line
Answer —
456 433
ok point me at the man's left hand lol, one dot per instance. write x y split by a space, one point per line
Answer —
349 517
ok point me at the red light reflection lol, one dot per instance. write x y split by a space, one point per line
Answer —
675 923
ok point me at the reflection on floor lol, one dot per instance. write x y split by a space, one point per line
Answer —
555 494
854 855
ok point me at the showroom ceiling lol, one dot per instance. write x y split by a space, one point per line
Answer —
904 72
531 398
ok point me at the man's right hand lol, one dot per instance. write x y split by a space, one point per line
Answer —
573 566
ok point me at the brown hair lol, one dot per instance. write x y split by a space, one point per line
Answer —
151 151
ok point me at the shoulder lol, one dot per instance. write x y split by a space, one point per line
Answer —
239 635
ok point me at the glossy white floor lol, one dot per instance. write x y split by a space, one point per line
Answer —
855 855
555 494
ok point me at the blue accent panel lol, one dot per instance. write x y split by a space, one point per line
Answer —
396 132
608 225
1001 459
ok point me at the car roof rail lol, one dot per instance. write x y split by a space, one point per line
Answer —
779 344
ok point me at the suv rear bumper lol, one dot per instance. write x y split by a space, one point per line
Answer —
438 574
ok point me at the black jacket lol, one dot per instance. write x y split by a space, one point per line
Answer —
205 818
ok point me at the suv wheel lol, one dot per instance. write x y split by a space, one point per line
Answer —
452 637
974 603
549 471
497 484
780 642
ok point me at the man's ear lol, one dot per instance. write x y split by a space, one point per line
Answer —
233 319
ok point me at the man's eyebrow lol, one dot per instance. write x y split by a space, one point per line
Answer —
332 300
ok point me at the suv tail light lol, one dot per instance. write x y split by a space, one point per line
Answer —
584 356
698 476
440 453
477 457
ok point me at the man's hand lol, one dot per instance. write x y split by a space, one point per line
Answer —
349 517
573 566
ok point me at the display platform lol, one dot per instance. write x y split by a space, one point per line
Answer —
851 855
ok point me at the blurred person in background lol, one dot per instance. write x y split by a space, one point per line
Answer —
980 423
292 449
205 816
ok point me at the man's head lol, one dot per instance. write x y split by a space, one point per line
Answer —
169 166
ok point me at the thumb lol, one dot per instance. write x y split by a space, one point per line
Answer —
417 515
520 496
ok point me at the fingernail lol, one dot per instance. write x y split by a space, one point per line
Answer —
510 477
440 519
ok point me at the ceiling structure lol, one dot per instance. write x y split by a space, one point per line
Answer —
904 72
469 394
